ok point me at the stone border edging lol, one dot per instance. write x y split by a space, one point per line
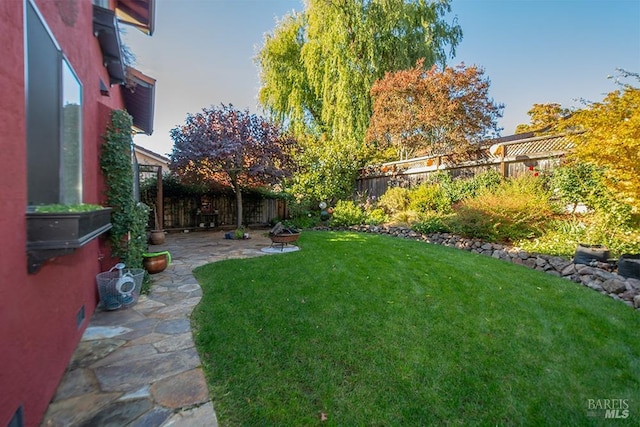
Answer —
597 276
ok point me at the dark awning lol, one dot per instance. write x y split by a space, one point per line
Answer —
105 28
138 13
139 99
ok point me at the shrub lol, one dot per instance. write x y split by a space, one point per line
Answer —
561 238
302 214
376 216
466 188
346 213
395 200
576 183
606 228
431 223
407 217
309 220
429 198
515 210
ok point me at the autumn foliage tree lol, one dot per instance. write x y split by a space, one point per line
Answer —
222 146
611 140
544 118
427 111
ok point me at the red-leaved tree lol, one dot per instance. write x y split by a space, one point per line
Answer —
233 148
423 112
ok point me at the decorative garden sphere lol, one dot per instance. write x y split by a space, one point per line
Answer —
322 205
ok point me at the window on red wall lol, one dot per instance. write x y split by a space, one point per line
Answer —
54 118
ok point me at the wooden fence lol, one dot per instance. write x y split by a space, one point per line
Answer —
207 211
511 158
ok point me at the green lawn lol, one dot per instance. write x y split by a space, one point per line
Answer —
372 330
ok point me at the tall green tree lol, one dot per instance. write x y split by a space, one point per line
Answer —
318 67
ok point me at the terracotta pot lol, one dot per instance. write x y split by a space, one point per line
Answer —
156 237
155 264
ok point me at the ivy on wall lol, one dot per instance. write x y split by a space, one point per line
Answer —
129 218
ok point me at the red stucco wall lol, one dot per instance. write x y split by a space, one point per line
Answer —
38 332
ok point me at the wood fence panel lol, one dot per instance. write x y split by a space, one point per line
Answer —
189 211
512 157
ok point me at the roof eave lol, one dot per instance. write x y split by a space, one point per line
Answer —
105 28
137 13
139 99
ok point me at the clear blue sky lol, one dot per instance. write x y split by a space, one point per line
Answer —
533 51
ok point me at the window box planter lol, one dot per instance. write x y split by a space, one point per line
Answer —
53 234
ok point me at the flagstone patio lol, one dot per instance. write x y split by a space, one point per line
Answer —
139 366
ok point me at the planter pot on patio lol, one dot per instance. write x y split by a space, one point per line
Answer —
156 262
156 237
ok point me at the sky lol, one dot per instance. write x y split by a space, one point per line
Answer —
533 51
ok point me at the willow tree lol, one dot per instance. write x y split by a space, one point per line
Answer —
318 67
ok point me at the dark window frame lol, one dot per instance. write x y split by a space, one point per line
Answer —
54 174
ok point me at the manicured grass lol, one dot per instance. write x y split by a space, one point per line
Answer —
373 330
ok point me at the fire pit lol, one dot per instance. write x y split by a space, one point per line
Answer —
282 236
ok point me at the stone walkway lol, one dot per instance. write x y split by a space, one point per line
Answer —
139 366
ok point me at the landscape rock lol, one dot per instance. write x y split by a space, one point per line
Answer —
585 270
629 295
559 264
605 275
614 286
569 270
634 283
593 284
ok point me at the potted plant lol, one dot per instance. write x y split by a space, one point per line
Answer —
156 235
155 262
240 234
237 234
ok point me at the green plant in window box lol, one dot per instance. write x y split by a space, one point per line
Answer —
58 208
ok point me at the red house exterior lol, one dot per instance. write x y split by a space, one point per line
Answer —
56 54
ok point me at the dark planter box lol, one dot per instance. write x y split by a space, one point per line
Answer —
629 266
53 234
66 229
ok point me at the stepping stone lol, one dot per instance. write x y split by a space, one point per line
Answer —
102 332
182 390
